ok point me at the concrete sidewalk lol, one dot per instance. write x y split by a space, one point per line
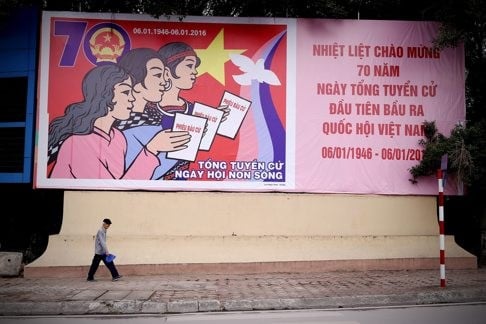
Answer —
219 292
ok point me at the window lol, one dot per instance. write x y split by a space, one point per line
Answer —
13 115
12 141
13 92
18 74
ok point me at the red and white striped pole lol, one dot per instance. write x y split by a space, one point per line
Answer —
441 228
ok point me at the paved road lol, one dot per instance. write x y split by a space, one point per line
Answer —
444 314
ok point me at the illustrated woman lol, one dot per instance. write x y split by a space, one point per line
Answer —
147 71
92 148
181 62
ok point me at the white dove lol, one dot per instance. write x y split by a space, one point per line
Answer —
253 71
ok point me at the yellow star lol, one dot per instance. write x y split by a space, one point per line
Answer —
214 57
107 38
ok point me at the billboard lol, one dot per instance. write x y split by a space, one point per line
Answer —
129 102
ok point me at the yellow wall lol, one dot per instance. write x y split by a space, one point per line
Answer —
215 227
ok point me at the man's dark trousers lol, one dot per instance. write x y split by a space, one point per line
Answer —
95 264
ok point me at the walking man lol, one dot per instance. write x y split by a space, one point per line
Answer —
101 253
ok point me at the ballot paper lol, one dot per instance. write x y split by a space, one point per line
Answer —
213 116
238 109
195 126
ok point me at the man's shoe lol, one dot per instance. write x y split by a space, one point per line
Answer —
116 278
91 280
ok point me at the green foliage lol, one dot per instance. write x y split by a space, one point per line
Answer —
434 147
464 148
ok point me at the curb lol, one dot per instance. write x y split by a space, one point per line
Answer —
476 294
